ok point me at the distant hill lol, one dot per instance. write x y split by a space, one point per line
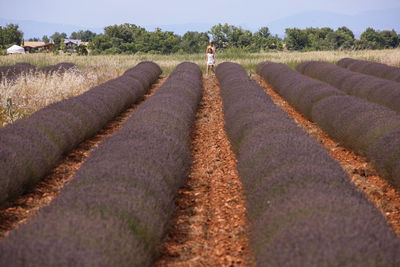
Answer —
386 19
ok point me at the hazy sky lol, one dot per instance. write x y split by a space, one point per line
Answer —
100 13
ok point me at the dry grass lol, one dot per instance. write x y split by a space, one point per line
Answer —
117 64
32 92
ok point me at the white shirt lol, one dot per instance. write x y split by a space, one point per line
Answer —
210 59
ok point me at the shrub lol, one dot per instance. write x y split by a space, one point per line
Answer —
356 123
58 68
302 207
371 68
116 209
385 154
10 73
373 89
33 145
300 91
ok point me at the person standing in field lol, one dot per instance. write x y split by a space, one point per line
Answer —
210 60
210 57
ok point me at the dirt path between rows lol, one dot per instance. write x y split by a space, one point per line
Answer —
23 208
380 192
210 227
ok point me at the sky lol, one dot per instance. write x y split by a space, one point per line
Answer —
100 13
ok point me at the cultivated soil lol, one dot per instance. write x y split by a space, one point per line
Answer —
210 227
22 209
362 174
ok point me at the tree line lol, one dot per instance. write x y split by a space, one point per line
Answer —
130 38
343 38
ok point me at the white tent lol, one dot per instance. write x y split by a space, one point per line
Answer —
16 49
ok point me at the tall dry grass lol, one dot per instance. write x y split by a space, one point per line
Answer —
34 91
117 64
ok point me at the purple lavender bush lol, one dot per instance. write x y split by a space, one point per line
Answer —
11 73
367 128
376 69
385 154
374 89
116 210
300 91
344 62
59 68
358 124
302 208
30 147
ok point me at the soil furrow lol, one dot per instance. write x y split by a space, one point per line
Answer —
362 174
23 208
210 227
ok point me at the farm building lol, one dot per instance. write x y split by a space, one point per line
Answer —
71 43
37 46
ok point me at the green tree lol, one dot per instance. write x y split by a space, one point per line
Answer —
220 34
296 39
170 43
84 36
125 38
245 39
123 32
163 42
229 36
346 31
10 35
62 45
371 39
81 50
45 39
100 43
317 38
342 38
194 42
58 37
263 40
390 39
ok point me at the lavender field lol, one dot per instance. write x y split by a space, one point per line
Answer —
120 205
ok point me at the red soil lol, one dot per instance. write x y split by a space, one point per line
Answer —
210 227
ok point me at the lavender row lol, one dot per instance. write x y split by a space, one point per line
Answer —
302 208
116 209
373 89
59 68
12 72
31 147
371 68
300 91
367 128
